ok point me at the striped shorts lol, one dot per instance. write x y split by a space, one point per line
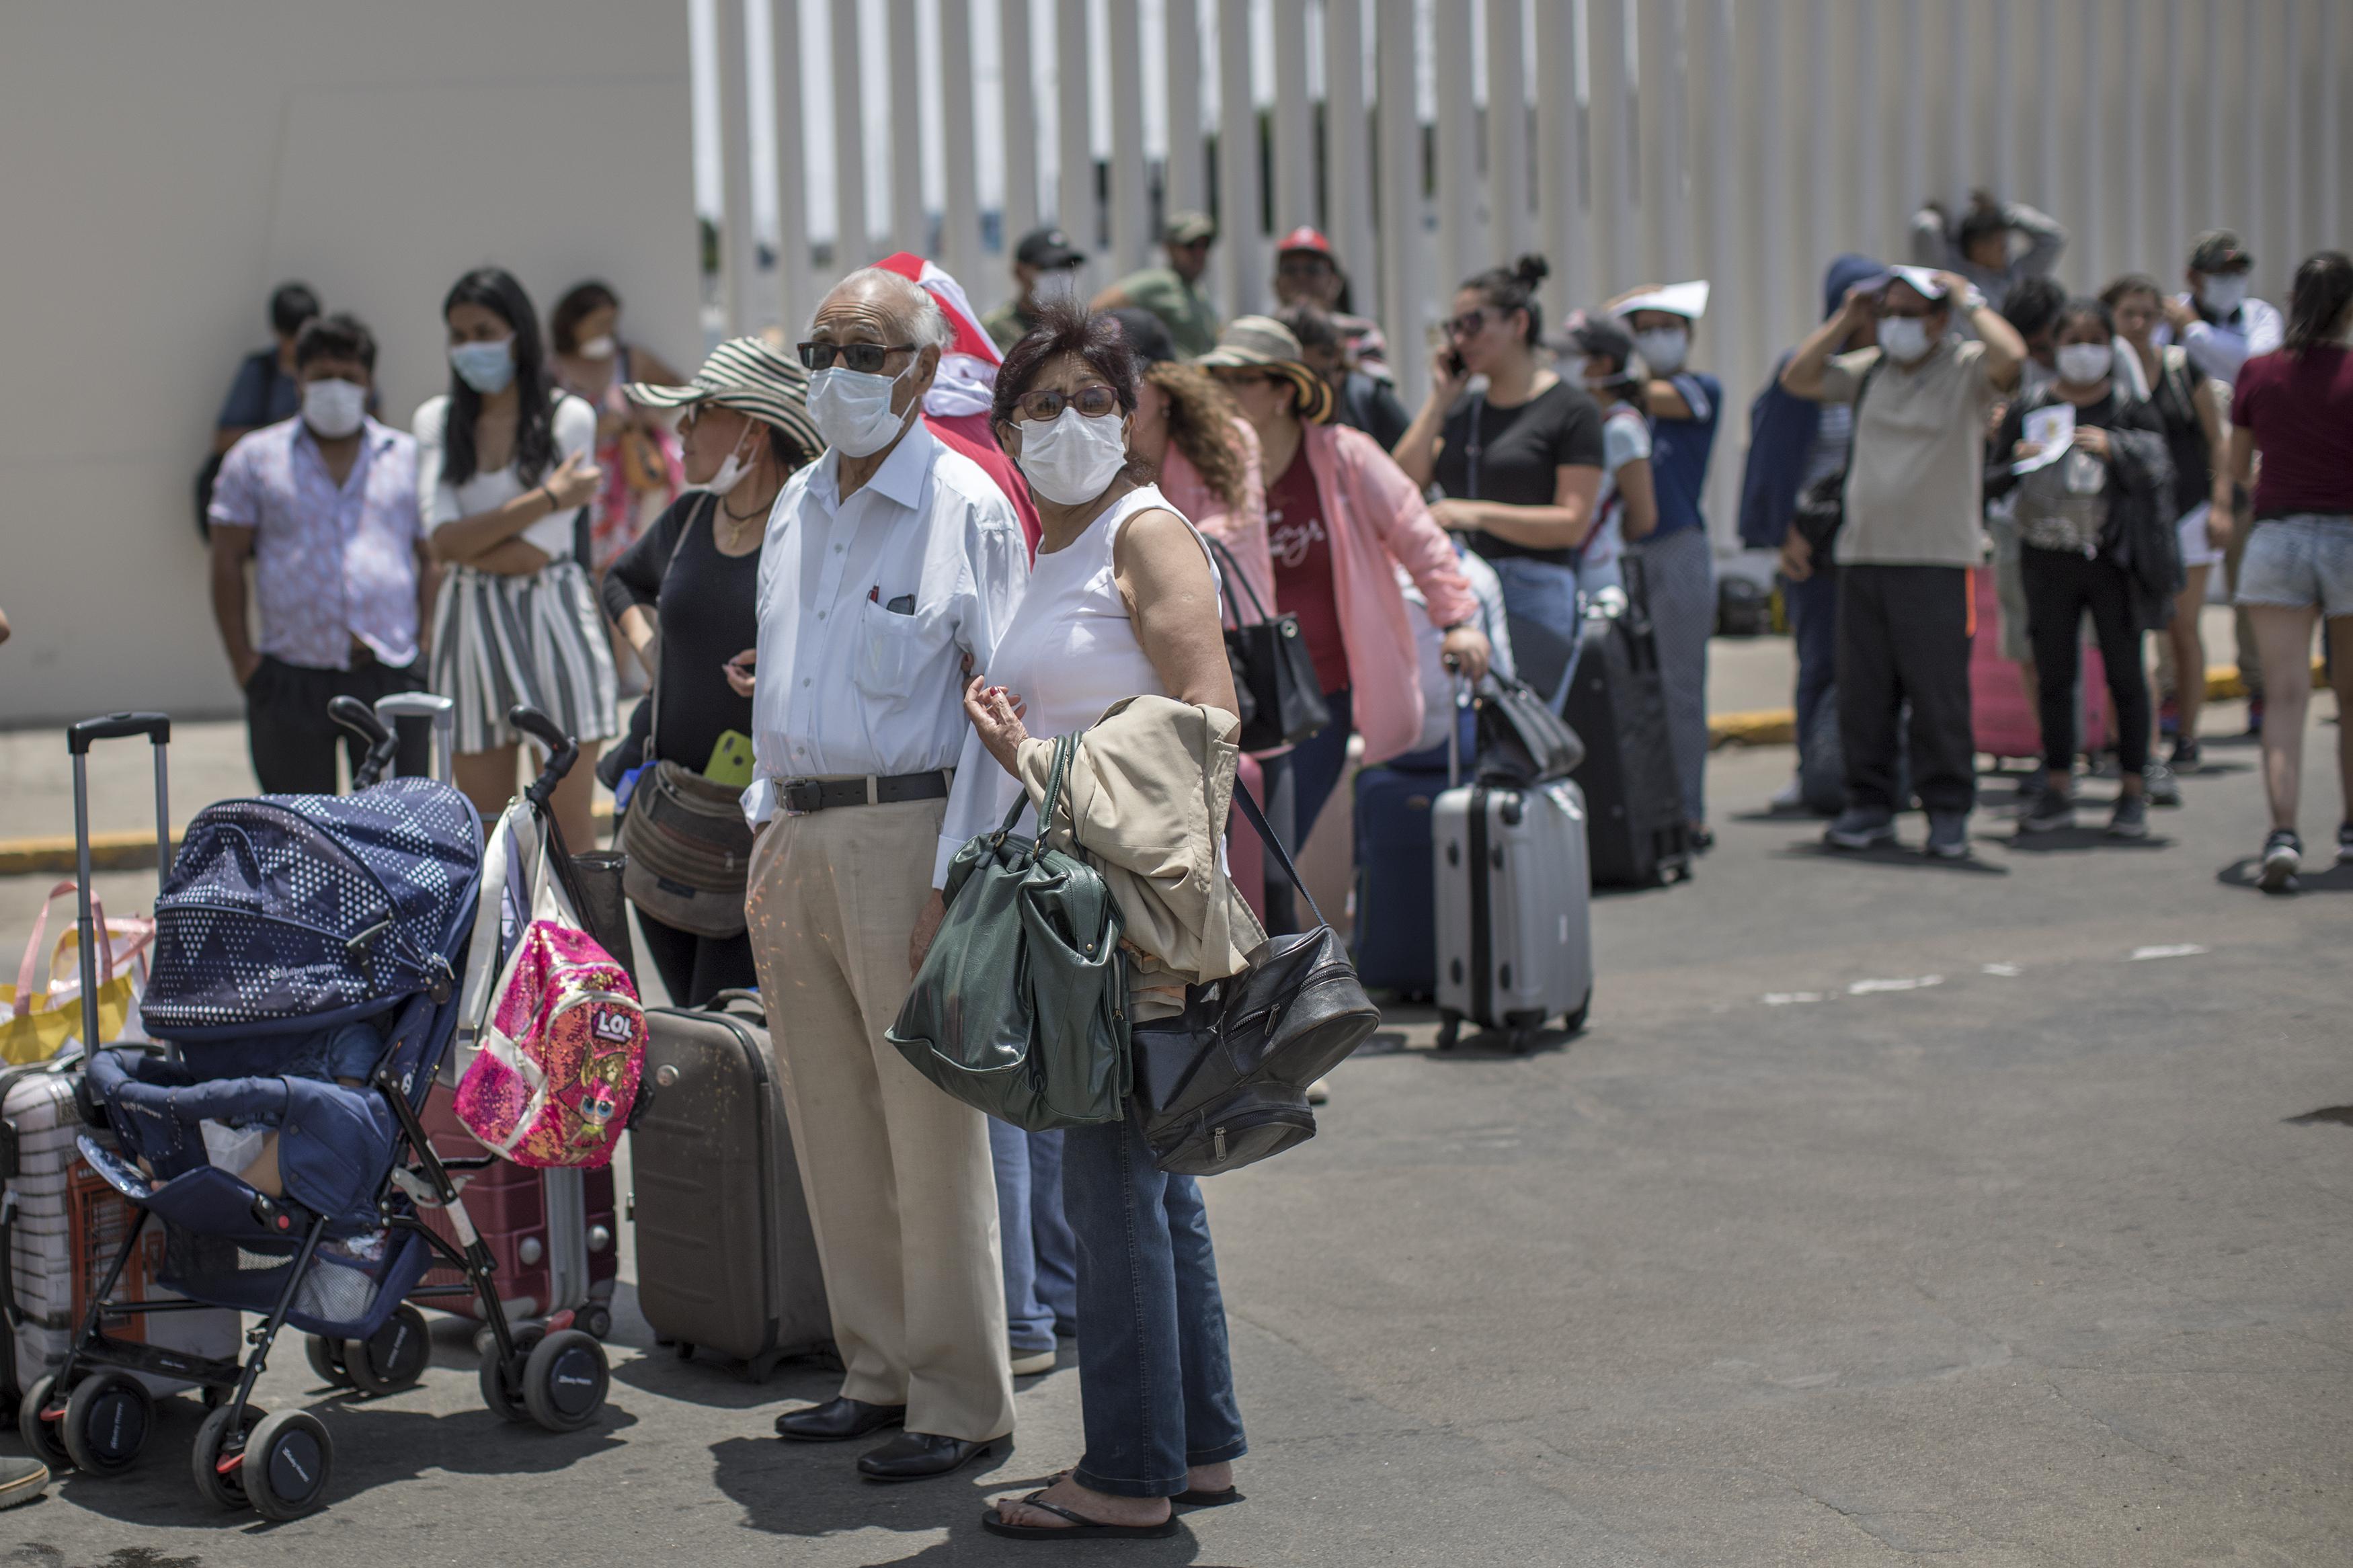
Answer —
537 639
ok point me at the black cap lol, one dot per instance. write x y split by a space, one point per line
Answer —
1046 249
1147 335
1595 335
2219 250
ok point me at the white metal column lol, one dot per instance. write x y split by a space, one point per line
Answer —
852 232
1294 120
1019 83
1074 205
1239 284
1130 214
1560 159
1463 248
795 282
1348 163
738 247
1510 224
1185 185
1617 237
909 229
1404 303
960 246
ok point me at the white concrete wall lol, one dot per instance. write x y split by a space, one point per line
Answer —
168 161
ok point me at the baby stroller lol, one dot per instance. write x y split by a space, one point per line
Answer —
287 915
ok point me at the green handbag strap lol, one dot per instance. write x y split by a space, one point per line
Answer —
1065 748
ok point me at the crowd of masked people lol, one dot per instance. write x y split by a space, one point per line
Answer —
2100 454
862 572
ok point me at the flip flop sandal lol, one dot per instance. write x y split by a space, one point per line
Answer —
1195 1497
1080 1527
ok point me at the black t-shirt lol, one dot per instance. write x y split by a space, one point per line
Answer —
1519 453
707 605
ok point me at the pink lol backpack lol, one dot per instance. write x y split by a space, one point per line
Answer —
553 1048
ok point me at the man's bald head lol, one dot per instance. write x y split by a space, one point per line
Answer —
891 298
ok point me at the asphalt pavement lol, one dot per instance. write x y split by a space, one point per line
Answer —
1885 1210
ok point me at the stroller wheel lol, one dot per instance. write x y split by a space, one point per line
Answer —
563 1380
224 1488
500 1391
393 1357
106 1423
326 1358
288 1458
40 1435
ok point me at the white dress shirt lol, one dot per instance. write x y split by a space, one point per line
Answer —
2218 349
845 684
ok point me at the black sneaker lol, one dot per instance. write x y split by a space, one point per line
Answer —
1860 827
1949 834
2053 809
2345 844
2283 858
2186 755
2158 782
2131 820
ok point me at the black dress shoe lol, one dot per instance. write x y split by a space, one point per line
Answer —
838 1421
920 1456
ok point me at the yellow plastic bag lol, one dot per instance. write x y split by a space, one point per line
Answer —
43 1009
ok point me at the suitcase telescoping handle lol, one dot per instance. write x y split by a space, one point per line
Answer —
157 728
1459 695
360 719
394 706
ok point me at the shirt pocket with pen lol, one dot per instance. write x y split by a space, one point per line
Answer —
893 640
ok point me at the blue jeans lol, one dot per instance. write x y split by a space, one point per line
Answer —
1155 1386
1812 609
1299 783
1040 1276
1540 605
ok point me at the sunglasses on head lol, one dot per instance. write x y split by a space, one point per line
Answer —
1093 400
1467 324
868 359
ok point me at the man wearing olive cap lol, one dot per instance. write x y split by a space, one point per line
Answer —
1173 292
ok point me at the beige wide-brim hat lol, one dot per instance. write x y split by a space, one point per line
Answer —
749 376
1261 343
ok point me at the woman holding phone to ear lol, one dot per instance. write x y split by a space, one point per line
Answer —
504 466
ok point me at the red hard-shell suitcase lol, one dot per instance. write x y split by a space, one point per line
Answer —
553 1232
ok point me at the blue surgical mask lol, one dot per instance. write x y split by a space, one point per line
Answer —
487 368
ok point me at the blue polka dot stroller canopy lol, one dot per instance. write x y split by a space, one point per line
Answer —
291 911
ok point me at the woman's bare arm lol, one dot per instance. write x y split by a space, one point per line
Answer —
1163 574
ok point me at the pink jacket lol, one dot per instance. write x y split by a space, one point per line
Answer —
1375 515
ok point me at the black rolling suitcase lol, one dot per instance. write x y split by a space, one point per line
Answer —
1617 703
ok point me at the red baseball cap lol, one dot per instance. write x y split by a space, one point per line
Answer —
1303 238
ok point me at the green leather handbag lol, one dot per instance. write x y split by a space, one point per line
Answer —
1020 1007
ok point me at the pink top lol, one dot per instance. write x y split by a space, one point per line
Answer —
1241 529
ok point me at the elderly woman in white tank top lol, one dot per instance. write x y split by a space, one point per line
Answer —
1121 602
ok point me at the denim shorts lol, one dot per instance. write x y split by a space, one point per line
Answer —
2300 561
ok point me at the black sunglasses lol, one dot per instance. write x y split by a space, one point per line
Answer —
1468 323
868 359
1093 400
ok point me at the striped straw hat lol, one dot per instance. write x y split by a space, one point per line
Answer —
749 376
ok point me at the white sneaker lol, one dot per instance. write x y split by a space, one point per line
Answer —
1792 796
1320 1091
1029 1363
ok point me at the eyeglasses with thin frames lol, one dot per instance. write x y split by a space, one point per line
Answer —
1093 400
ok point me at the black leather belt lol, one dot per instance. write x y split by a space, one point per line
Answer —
802 796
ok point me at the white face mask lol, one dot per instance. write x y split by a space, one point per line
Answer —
1060 287
1074 459
2224 292
1663 348
738 468
851 409
604 346
2084 364
1906 338
333 408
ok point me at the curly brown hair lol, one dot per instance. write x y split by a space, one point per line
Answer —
1201 424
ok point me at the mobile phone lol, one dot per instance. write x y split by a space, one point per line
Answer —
1454 365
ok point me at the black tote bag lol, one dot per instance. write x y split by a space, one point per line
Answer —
1274 675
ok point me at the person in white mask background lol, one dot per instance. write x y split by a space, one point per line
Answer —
1677 556
889 563
1914 498
505 472
2221 326
1122 602
324 505
2070 514
682 598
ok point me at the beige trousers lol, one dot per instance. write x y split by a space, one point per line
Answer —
901 1192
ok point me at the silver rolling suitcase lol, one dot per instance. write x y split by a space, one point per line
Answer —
1514 892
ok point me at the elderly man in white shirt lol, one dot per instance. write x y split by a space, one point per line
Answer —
889 563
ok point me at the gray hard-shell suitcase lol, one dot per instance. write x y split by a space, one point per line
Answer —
726 1261
1514 895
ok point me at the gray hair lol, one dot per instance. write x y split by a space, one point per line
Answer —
920 316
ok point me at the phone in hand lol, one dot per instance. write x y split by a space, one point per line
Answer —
1454 365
